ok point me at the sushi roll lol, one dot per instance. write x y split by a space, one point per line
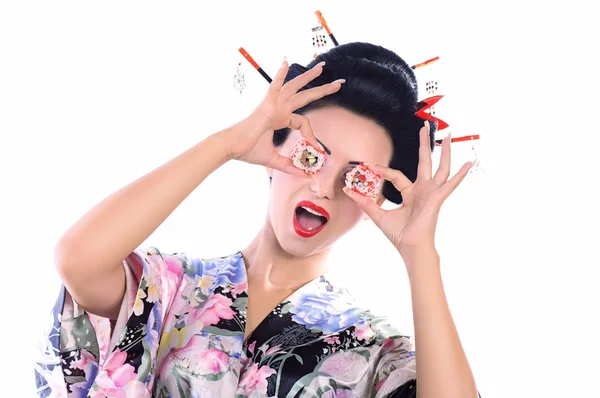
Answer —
307 158
365 181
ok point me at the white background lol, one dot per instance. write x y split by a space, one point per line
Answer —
93 95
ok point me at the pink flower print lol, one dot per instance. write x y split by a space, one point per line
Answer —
363 332
134 389
115 373
332 340
182 345
214 361
84 360
380 383
102 327
389 344
255 379
238 289
177 339
215 308
273 350
251 347
163 278
170 272
344 367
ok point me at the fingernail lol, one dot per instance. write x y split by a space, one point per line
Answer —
284 59
427 123
341 81
322 63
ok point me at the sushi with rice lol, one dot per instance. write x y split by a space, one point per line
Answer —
307 158
365 181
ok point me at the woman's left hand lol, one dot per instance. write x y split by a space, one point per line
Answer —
411 226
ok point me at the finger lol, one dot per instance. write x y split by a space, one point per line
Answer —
424 169
285 165
301 123
455 181
279 79
294 85
367 205
396 177
304 98
443 171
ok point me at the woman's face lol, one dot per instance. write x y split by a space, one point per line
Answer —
348 137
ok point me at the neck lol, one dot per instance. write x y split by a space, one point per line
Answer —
271 267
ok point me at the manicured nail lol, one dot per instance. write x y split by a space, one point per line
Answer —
341 81
322 63
427 123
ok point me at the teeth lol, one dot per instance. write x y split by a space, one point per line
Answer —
312 211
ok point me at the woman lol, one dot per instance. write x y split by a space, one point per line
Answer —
264 321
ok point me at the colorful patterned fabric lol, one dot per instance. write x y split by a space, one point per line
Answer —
180 333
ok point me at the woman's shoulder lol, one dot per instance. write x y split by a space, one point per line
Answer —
182 262
156 276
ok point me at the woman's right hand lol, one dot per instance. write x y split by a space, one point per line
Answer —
254 142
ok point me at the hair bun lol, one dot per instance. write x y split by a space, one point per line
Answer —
372 55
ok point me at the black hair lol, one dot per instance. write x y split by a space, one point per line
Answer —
380 86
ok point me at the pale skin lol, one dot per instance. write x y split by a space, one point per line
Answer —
89 255
442 367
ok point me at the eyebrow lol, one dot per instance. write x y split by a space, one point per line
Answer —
327 151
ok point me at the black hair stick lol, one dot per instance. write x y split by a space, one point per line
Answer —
254 64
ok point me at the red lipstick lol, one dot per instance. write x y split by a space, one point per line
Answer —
305 233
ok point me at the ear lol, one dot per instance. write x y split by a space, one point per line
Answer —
379 202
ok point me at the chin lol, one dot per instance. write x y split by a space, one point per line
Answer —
300 247
297 246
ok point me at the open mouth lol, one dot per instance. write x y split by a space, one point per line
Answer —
309 219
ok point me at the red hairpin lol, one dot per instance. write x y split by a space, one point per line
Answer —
426 104
459 139
429 61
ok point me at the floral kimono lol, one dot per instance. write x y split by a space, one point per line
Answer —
180 333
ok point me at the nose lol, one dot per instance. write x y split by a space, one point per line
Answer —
323 184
